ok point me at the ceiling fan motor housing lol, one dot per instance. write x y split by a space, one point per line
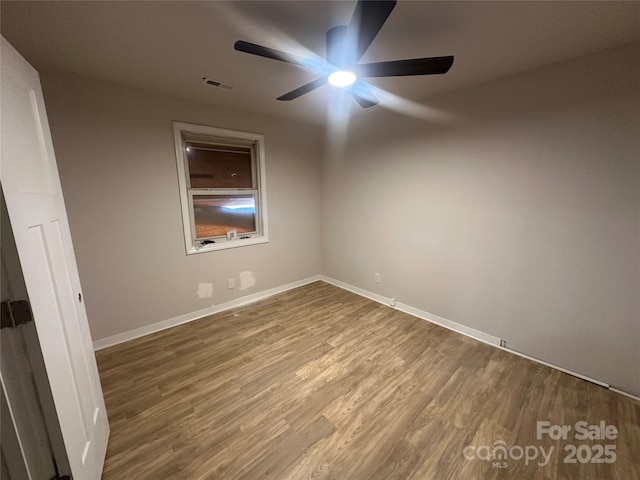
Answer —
340 52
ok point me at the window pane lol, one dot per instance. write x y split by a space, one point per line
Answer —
219 166
216 214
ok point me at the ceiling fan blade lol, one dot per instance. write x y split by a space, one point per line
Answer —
293 94
364 102
266 52
402 68
338 53
362 94
366 22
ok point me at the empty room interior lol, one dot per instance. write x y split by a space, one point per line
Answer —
349 240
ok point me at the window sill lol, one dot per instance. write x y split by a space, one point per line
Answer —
226 244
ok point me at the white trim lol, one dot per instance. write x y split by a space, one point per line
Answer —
363 293
551 365
464 330
443 322
188 317
259 171
450 325
224 244
626 394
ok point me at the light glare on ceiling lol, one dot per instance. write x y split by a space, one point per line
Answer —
342 78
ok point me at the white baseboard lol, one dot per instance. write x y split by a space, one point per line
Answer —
556 367
359 291
443 322
450 325
189 317
464 330
626 394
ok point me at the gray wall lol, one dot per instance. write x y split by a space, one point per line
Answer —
117 165
521 219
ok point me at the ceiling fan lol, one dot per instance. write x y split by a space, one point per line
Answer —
345 47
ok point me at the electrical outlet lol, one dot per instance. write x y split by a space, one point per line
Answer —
377 278
232 283
503 343
393 302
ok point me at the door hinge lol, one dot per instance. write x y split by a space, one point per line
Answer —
15 313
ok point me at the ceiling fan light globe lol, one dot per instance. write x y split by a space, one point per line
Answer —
342 78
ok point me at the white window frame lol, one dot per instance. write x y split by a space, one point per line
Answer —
183 130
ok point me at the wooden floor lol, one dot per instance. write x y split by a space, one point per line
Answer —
319 383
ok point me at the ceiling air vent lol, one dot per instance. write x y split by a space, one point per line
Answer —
217 84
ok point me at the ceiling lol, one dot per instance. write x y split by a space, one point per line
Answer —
169 47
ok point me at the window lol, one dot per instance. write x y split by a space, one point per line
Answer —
222 187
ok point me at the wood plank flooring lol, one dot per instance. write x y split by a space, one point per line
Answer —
319 383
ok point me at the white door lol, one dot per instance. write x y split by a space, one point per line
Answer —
33 196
